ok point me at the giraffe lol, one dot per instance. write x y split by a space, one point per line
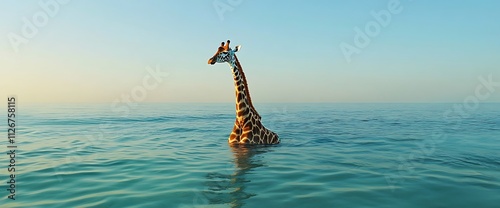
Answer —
248 128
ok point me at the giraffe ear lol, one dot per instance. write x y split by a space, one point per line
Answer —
237 48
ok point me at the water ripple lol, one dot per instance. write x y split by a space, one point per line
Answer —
332 155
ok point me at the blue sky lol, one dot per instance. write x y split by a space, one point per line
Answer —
94 51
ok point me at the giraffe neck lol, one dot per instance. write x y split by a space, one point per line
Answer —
244 106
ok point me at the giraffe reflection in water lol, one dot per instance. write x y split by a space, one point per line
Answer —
230 187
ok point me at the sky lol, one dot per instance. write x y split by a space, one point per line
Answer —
292 51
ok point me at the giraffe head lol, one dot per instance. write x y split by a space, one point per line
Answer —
224 54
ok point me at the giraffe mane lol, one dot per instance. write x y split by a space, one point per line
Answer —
246 85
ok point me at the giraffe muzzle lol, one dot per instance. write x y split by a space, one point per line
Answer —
211 61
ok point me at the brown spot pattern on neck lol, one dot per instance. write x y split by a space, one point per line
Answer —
247 91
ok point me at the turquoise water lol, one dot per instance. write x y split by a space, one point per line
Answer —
332 155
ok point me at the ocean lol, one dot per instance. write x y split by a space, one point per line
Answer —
331 155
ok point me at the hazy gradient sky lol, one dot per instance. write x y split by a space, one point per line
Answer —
98 51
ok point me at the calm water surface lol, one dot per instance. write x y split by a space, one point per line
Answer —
332 155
